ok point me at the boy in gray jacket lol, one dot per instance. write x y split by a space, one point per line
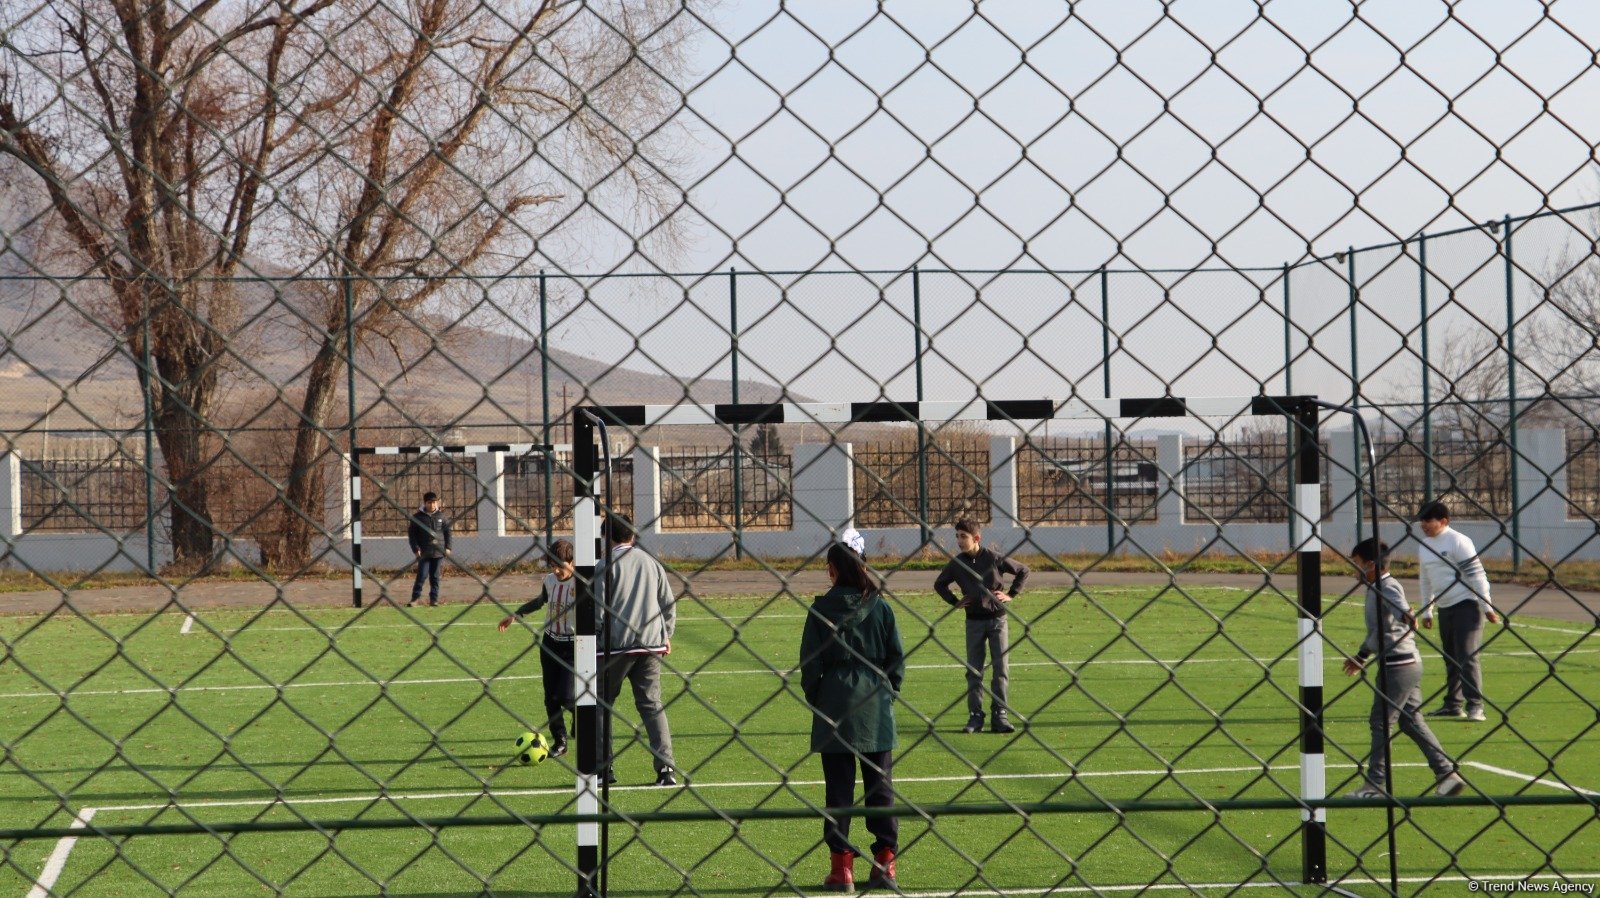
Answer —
1390 635
639 624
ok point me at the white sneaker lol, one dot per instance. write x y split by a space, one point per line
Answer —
1476 714
1368 790
1450 784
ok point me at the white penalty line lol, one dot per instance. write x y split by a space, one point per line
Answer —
1581 634
57 862
58 857
1553 784
976 776
1078 667
1336 886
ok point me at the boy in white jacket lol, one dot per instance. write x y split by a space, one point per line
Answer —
1452 577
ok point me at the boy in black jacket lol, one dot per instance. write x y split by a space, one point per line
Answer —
978 571
429 536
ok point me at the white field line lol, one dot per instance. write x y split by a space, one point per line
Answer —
975 777
331 628
978 776
58 857
1338 886
188 624
1554 784
446 681
1581 634
736 618
43 886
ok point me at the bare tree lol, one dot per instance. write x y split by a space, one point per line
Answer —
489 128
380 155
150 125
1566 330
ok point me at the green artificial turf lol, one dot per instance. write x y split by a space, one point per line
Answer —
1126 694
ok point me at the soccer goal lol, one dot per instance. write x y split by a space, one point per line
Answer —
1299 413
462 454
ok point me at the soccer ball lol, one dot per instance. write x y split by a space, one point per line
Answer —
532 748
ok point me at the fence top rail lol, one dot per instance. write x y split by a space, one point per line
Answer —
1491 225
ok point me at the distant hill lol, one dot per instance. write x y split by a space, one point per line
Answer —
54 355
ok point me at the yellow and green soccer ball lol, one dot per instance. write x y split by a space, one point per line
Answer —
532 748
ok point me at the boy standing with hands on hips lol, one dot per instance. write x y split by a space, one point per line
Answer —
978 571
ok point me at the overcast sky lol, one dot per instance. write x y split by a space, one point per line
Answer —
831 135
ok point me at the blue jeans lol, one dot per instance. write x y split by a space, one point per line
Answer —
427 567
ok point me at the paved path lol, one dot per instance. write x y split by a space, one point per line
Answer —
1547 602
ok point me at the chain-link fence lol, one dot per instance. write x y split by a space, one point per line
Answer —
270 273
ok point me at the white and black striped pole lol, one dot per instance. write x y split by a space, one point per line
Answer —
355 528
1308 543
586 726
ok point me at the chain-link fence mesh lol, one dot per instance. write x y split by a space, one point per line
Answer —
271 272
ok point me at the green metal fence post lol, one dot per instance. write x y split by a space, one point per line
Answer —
350 399
738 454
922 427
1291 487
149 449
1355 383
1105 385
1511 399
1427 372
544 386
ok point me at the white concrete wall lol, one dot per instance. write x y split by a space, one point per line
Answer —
824 504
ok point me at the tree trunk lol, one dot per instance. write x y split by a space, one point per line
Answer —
180 434
186 359
302 502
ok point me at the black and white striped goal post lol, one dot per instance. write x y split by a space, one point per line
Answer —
1301 415
467 450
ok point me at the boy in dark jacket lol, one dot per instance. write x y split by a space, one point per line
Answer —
978 571
429 536
851 668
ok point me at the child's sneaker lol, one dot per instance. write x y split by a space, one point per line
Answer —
1368 790
1450 784
1476 714
974 724
1000 724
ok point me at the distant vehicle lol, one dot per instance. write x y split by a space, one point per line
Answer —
1129 478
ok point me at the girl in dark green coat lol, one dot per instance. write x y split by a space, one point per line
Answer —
851 666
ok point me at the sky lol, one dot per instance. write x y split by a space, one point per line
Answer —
1018 134
825 149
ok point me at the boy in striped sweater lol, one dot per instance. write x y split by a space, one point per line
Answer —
556 657
1390 637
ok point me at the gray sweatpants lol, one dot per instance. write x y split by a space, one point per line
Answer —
1460 638
644 672
991 636
1403 705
